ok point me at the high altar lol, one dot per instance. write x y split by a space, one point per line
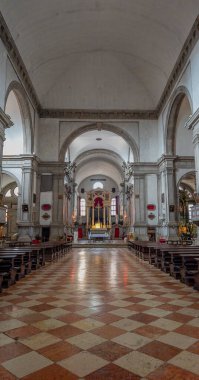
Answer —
98 212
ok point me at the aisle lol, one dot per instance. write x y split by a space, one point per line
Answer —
99 314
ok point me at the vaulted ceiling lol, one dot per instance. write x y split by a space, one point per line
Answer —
99 54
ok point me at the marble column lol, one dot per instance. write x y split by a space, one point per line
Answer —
57 217
170 190
5 122
140 206
196 153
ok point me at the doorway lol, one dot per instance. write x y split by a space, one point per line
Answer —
45 233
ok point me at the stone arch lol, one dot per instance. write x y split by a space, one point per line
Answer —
172 114
13 176
103 126
188 173
21 96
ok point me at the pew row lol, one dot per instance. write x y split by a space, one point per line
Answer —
18 261
178 261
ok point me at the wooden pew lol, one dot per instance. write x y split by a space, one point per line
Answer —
23 259
196 275
7 270
189 268
171 257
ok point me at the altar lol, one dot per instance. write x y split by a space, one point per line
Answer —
98 234
98 215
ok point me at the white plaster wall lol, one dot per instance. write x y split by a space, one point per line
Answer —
160 135
148 140
49 141
36 124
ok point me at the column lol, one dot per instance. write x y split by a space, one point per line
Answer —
140 206
93 210
5 122
196 153
57 216
87 216
104 217
170 222
25 200
109 215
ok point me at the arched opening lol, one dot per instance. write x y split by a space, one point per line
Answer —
94 178
186 196
178 139
13 145
186 191
17 107
10 193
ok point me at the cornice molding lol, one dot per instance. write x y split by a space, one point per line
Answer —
17 62
180 64
79 114
97 114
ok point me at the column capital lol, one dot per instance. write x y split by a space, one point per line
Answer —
5 120
196 138
193 120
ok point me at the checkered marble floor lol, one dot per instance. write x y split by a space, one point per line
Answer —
99 314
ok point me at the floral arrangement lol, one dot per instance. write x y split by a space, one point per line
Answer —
187 230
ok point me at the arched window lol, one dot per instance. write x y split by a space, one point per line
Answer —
113 206
98 185
82 207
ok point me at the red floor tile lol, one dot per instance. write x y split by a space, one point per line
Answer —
170 372
5 375
179 317
112 372
23 332
12 350
150 331
109 350
108 332
66 331
189 331
53 372
160 350
59 351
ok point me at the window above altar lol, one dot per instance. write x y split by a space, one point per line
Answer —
98 185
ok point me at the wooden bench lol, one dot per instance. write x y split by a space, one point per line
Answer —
196 275
189 268
173 256
7 270
23 259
